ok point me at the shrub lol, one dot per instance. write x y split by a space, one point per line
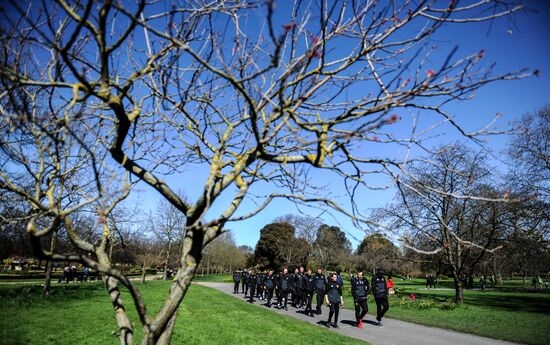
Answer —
406 302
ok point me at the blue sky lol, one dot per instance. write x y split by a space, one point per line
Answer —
513 44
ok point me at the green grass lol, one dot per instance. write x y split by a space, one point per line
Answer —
518 316
81 314
218 278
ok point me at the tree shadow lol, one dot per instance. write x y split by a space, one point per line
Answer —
531 302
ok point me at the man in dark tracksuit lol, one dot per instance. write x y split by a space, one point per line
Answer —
260 285
284 286
380 292
360 288
236 281
269 283
334 300
245 282
252 281
293 277
319 285
276 278
308 289
300 288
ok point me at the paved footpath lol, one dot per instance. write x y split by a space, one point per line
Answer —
394 332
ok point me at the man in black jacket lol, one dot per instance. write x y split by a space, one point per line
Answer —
308 290
300 288
260 285
244 279
252 281
360 288
334 300
236 281
380 292
284 286
293 277
269 284
319 282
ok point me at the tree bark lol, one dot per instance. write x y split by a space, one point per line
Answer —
167 259
126 335
459 289
49 267
163 325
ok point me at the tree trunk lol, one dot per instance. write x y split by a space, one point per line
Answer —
126 329
49 266
167 259
143 274
163 325
459 290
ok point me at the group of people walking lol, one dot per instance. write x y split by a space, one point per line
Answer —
302 286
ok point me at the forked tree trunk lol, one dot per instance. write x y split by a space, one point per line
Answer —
160 333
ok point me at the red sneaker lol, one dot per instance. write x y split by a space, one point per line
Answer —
360 324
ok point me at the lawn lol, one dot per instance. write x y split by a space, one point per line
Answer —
521 316
517 316
82 314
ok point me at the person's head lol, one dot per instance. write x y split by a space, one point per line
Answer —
379 273
360 274
338 271
301 269
296 270
308 272
319 270
285 270
270 272
389 277
333 277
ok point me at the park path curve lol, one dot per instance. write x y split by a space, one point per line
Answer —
394 332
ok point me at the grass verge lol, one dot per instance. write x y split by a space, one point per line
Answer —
517 316
82 314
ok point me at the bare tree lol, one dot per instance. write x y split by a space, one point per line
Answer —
306 227
446 207
169 226
156 91
223 254
529 149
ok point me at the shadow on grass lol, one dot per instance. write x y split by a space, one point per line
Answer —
528 301
531 302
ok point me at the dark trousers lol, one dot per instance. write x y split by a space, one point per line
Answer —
236 287
245 289
361 309
309 297
303 297
382 307
334 310
299 297
252 292
294 296
283 295
268 296
243 285
320 298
